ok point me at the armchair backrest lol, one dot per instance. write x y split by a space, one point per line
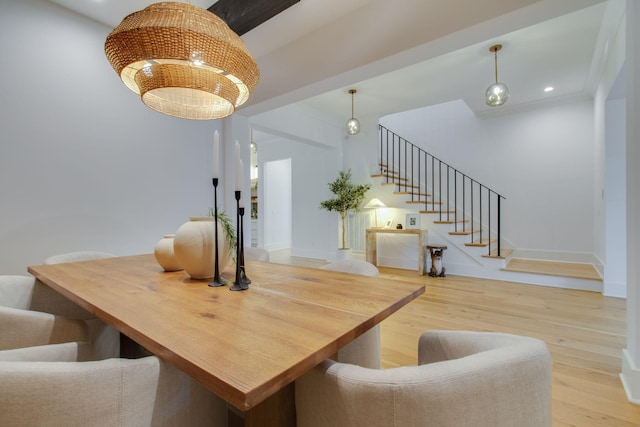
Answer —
353 266
504 384
77 256
112 392
28 293
25 328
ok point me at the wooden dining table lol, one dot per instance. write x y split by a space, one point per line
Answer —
247 347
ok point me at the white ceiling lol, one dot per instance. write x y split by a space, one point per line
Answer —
405 54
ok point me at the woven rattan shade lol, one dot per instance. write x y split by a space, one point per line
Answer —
183 61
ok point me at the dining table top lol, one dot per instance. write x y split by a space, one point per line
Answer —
244 346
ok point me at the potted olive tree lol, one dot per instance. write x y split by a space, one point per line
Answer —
348 198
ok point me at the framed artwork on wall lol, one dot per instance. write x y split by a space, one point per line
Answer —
413 222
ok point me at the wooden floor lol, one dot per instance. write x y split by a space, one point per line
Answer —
585 333
554 268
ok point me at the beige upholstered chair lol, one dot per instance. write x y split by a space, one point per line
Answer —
77 256
257 254
472 379
28 293
64 352
49 386
364 350
24 328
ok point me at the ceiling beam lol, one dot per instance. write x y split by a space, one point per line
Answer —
244 15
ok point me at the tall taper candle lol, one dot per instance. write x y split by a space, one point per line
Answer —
216 155
238 167
239 176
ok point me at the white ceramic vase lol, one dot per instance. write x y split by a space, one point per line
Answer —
194 247
165 256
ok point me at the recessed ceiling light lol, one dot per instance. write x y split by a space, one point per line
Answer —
548 89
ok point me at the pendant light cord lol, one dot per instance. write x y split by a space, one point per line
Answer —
352 114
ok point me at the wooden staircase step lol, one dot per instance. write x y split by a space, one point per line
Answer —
504 253
422 202
451 221
391 176
554 268
404 193
435 211
387 170
394 184
480 243
405 185
464 233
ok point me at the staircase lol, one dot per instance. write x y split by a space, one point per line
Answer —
439 190
459 211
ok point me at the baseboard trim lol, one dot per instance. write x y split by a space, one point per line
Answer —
630 378
614 289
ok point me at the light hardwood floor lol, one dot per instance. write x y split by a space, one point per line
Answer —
585 333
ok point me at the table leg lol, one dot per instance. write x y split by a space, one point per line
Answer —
371 247
278 410
421 257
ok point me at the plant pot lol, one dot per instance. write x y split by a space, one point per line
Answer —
194 247
342 254
164 254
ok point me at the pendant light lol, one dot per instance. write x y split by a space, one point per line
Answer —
498 93
183 61
353 124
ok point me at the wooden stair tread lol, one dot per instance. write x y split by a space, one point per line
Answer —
504 253
391 176
553 268
409 193
386 167
464 233
481 243
450 221
404 185
436 211
428 202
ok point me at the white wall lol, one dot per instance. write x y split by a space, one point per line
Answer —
314 145
631 354
610 153
540 159
277 204
615 274
83 163
314 231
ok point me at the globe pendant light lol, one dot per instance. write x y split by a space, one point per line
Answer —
183 61
353 124
498 93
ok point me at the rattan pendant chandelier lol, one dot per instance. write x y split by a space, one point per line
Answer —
183 61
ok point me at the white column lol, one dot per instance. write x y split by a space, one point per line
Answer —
631 355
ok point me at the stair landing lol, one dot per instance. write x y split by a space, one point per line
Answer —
553 268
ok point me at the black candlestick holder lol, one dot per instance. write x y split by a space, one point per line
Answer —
239 284
243 273
217 280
